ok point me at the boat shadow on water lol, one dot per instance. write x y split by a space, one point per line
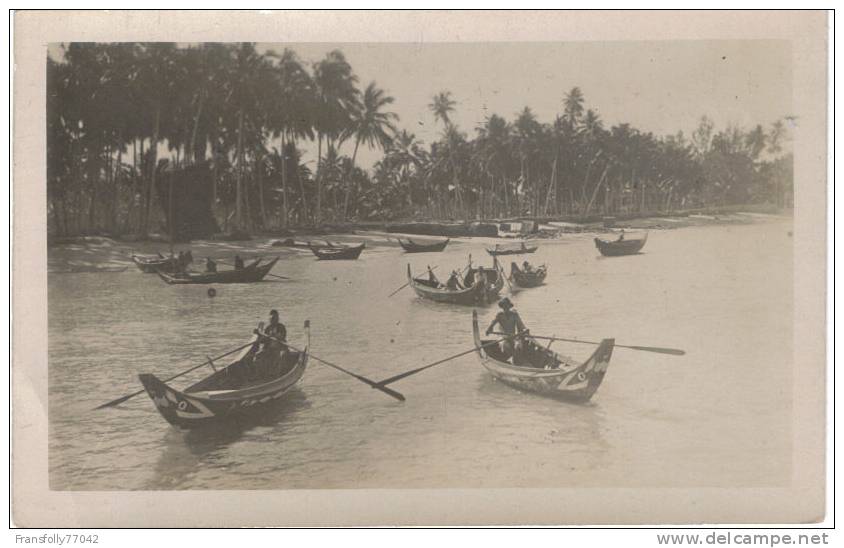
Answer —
204 447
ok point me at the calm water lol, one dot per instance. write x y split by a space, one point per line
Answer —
720 416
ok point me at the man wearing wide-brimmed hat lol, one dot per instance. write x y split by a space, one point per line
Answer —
511 324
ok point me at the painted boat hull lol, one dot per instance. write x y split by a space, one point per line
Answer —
569 380
200 404
249 274
151 265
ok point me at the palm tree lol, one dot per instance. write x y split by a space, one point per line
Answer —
573 106
335 98
370 126
442 105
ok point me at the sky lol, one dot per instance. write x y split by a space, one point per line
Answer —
658 86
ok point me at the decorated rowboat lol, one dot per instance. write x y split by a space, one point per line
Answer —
498 251
620 247
151 265
472 294
244 386
413 247
542 370
338 253
527 278
253 272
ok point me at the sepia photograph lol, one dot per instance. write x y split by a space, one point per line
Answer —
350 266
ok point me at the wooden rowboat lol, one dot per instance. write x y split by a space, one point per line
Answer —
338 253
545 372
532 278
248 274
414 247
496 252
473 294
620 247
151 265
241 387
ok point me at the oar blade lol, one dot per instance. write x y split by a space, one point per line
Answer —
389 391
671 351
118 401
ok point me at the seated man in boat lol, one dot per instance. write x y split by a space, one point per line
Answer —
238 262
210 265
621 236
526 266
454 281
431 278
272 346
511 324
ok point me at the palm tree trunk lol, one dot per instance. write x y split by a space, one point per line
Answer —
191 153
347 184
153 150
595 191
318 210
284 218
258 164
238 219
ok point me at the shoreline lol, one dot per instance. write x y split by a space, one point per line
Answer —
98 254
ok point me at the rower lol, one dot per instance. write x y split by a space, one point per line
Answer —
210 265
238 262
511 324
526 266
272 349
621 236
454 281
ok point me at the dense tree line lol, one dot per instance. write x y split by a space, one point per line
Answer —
246 115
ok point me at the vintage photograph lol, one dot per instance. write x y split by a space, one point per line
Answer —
298 265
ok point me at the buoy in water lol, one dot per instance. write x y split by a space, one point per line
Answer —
212 292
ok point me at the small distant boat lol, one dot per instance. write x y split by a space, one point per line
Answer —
235 389
349 253
498 251
473 294
528 278
151 265
248 274
544 371
414 247
290 242
616 248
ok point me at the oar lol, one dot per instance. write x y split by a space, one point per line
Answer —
268 274
657 349
400 376
408 283
361 378
120 400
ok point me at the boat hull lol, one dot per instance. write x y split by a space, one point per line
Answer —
338 254
472 296
618 249
527 279
199 406
500 252
412 247
153 265
564 379
249 274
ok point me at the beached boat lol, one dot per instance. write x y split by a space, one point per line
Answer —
413 247
528 278
498 251
151 265
253 272
290 242
473 294
543 370
338 253
617 248
243 386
